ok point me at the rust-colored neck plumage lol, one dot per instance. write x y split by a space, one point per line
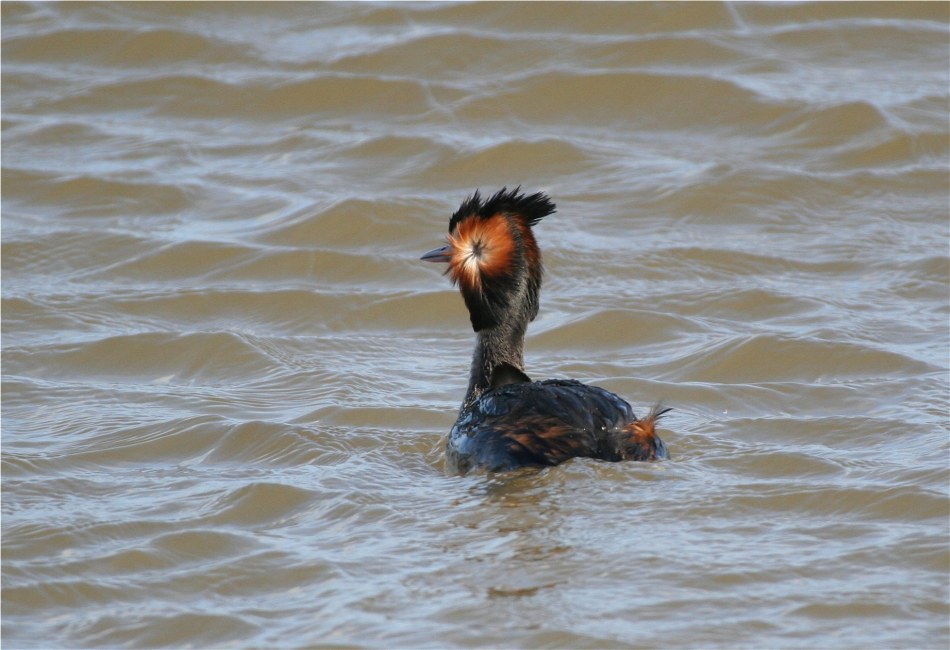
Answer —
495 260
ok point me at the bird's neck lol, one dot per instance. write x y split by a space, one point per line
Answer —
503 343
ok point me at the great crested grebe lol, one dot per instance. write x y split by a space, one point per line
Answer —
507 420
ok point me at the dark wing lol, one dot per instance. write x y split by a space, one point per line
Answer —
539 423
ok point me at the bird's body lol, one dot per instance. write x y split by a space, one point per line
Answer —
546 423
506 420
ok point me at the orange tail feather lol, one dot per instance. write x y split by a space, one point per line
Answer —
642 441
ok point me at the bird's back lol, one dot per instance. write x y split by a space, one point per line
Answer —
546 423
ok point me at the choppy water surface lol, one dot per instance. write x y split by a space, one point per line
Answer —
226 375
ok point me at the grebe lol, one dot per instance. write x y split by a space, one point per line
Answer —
507 420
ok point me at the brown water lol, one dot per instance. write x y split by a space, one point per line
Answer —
226 375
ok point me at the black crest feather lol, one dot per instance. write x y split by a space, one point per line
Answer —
533 207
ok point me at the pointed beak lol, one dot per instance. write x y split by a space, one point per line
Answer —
438 255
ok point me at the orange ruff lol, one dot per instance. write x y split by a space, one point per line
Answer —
480 247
